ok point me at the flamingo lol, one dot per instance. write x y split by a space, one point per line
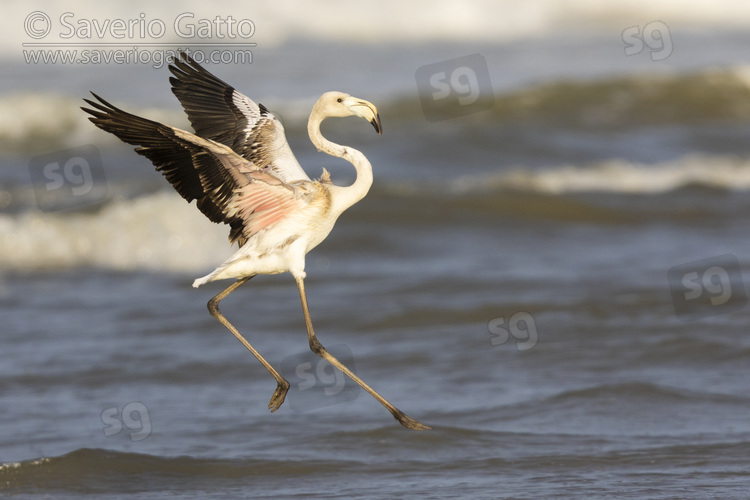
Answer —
242 172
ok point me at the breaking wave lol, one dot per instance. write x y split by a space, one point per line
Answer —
709 96
160 231
618 176
394 21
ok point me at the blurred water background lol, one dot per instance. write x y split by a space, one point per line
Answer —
549 269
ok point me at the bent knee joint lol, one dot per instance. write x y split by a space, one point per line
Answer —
213 307
317 347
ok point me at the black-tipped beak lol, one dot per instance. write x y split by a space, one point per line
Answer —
376 123
368 111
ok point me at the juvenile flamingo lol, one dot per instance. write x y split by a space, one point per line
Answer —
240 169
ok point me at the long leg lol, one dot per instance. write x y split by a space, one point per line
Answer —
213 307
321 351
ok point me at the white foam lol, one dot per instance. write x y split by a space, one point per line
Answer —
387 20
39 122
163 232
620 176
25 118
158 231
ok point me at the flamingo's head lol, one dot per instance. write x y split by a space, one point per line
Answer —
340 104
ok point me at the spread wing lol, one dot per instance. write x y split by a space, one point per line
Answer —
219 112
228 188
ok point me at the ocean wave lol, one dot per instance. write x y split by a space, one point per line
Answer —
709 96
649 99
641 390
156 231
26 124
160 231
617 176
108 469
416 21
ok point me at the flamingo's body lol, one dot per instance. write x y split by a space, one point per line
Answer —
240 169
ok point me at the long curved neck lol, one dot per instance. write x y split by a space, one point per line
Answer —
345 196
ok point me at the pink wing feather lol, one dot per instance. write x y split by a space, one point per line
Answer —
262 204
